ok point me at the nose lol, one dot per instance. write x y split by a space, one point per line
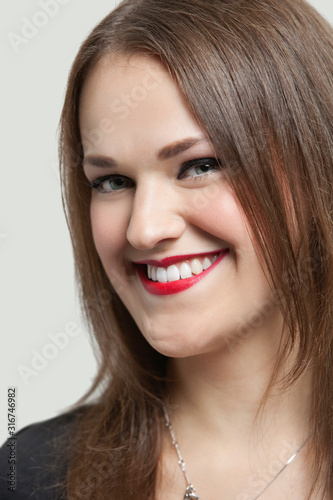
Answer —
156 217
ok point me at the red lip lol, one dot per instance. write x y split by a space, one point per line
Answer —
168 261
173 287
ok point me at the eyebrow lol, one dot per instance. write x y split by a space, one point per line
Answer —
166 153
178 147
100 161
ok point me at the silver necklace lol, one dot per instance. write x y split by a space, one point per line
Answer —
190 492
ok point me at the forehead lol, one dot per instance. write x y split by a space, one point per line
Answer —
124 72
132 97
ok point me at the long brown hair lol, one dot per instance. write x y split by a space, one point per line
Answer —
258 74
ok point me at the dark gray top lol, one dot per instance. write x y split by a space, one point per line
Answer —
33 463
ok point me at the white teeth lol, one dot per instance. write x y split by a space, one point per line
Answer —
185 271
173 273
196 266
161 275
206 263
182 270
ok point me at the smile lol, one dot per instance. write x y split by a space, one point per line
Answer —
176 274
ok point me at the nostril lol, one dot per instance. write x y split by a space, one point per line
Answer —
153 221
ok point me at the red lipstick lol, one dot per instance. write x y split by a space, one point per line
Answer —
156 288
168 261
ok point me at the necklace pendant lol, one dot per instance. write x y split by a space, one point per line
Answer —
190 493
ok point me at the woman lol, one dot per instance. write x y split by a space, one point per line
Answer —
196 152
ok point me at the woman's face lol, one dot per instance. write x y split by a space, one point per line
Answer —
166 225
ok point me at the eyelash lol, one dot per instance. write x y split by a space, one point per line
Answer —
204 162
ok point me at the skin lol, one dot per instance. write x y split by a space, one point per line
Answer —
222 335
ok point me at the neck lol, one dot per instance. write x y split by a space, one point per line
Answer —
230 415
221 394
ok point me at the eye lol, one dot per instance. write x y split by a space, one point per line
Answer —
111 183
199 167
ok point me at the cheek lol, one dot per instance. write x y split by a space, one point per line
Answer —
216 211
109 227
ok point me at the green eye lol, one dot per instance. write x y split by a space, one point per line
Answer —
203 169
111 183
199 168
114 184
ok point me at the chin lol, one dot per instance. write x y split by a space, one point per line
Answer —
177 345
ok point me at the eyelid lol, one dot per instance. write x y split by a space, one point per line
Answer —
95 183
197 162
